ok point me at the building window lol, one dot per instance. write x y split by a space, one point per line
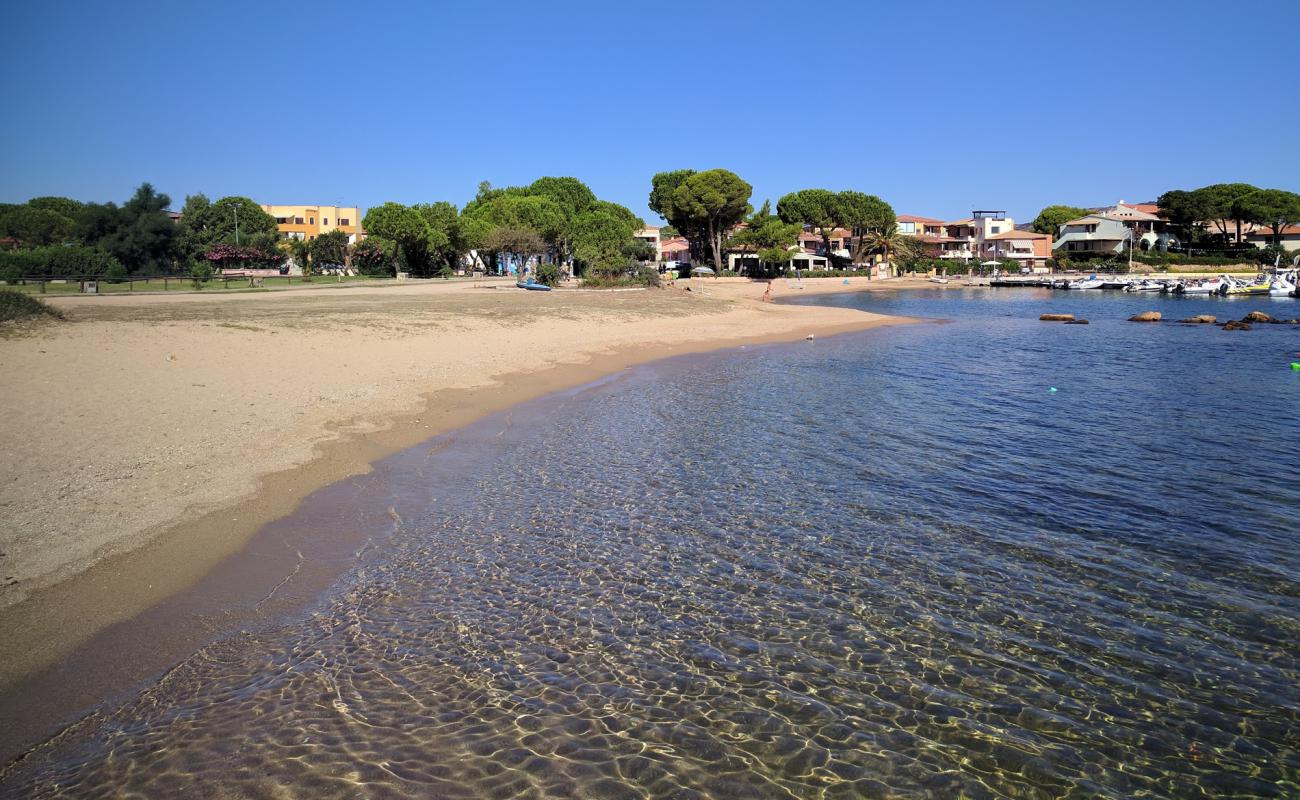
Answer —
907 227
995 228
311 220
281 220
326 220
343 221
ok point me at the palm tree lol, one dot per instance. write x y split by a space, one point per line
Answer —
300 251
889 241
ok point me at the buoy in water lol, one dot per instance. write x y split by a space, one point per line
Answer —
1295 365
1052 390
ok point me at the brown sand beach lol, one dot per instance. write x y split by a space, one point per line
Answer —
147 438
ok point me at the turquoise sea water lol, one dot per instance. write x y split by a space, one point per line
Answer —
889 564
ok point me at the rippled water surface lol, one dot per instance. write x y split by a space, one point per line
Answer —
891 564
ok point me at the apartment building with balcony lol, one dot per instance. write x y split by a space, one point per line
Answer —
1110 230
308 222
1027 248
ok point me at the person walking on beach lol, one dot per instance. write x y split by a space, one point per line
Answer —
767 293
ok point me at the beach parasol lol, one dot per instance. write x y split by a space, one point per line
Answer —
701 271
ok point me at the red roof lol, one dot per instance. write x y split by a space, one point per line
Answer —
1287 230
915 218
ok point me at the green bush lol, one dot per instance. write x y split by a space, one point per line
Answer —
20 305
58 262
200 271
549 274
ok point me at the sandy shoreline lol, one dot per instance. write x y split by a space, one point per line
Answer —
151 437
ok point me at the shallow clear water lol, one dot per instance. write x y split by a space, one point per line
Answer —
886 564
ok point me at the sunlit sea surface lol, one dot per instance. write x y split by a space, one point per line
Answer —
890 564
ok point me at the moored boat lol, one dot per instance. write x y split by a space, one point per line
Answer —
1085 283
1283 285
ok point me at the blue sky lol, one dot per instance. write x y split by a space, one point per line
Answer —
940 108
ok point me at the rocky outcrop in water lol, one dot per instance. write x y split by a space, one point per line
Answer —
1257 316
1234 325
1056 317
1145 316
1200 319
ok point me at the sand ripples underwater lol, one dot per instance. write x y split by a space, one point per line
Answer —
874 566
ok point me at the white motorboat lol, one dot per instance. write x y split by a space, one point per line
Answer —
1282 285
1147 285
938 279
1085 283
1205 286
1116 283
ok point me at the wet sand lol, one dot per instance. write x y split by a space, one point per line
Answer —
151 437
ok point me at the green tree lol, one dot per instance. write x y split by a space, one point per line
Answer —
1051 218
891 244
1274 209
662 187
330 250
713 202
769 238
863 214
204 225
1184 209
521 243
601 237
376 256
300 250
33 226
145 238
1226 202
819 209
446 245
416 241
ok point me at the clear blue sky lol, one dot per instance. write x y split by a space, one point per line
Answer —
938 107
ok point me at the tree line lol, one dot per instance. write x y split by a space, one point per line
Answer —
712 210
1212 216
556 223
59 236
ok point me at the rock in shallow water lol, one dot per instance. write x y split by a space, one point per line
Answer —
1056 317
1200 319
1257 316
1145 316
1234 325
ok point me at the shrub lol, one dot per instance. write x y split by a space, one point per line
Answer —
19 305
549 274
58 262
115 273
200 271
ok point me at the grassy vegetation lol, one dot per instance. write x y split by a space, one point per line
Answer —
18 306
181 283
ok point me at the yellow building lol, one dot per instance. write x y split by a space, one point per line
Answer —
308 222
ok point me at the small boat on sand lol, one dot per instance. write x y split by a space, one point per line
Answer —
938 279
532 285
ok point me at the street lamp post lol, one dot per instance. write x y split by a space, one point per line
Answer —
236 204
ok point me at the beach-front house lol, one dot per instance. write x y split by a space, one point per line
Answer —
800 259
964 239
1027 248
1110 230
650 235
676 249
1263 237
